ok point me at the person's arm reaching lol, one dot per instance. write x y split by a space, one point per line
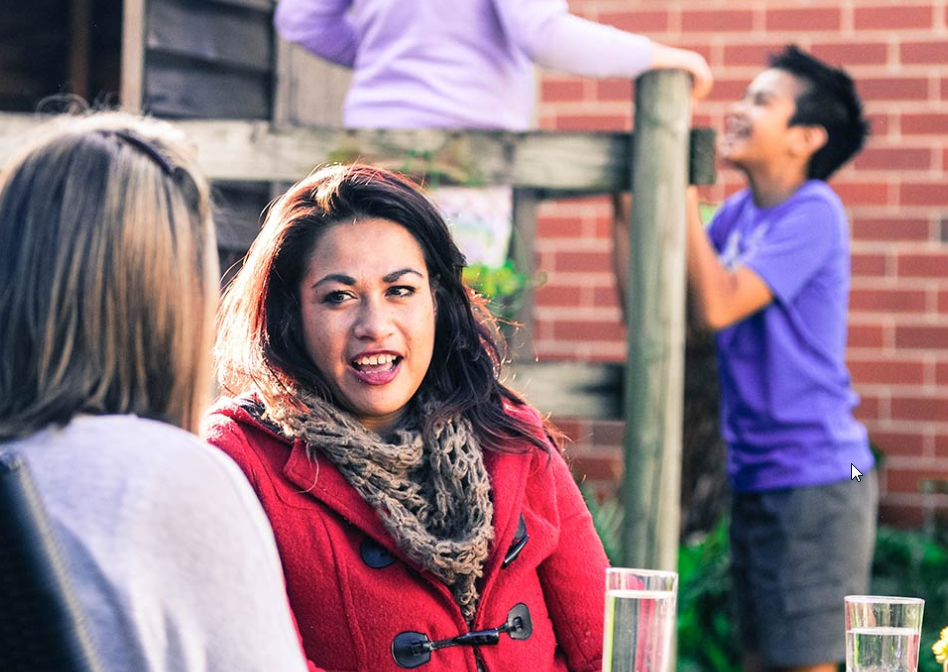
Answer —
720 296
666 57
320 26
554 38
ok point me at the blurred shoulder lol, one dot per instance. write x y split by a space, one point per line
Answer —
127 465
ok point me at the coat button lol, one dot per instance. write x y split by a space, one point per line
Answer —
374 555
519 541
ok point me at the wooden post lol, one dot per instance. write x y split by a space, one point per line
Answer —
523 248
133 55
80 47
655 306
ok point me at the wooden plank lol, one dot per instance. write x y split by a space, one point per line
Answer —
175 87
212 33
237 210
80 47
34 42
248 151
28 17
262 5
569 389
133 55
307 89
523 252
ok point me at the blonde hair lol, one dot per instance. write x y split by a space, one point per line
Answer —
108 276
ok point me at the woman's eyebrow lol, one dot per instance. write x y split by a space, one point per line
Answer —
335 277
348 280
395 275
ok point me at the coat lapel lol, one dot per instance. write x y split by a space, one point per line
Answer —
508 477
322 480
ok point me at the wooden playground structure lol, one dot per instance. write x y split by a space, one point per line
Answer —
262 144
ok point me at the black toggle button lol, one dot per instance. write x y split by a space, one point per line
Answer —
412 649
519 625
374 555
520 540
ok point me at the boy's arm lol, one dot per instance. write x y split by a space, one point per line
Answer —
720 296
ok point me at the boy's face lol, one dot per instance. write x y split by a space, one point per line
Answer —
756 131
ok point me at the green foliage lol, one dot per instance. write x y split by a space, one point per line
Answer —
905 562
706 212
910 563
503 286
493 283
707 642
607 519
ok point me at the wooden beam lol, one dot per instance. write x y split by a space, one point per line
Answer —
557 163
655 310
261 5
80 47
591 390
221 35
524 254
132 87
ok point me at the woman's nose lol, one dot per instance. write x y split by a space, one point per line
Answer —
374 320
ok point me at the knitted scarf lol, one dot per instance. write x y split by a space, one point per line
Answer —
434 498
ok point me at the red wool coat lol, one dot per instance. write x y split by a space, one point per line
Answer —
352 591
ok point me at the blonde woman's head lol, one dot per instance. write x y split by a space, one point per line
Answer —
108 275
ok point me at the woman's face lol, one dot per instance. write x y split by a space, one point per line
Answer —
368 315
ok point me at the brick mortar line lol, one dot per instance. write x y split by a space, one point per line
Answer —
908 463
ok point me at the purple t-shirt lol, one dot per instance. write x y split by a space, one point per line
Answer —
786 395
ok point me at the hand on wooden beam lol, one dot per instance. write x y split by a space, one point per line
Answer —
666 57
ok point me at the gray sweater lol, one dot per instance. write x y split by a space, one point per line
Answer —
171 556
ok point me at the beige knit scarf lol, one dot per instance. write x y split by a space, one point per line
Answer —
434 498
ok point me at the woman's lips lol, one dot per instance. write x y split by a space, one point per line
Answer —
377 374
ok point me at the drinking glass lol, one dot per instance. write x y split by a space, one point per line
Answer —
882 633
640 620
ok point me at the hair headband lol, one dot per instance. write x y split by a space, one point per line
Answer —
148 148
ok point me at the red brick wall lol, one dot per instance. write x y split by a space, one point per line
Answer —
896 193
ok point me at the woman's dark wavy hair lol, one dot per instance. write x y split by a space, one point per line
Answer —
260 345
828 99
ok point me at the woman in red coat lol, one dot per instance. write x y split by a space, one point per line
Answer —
423 514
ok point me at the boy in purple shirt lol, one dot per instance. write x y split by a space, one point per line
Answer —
771 277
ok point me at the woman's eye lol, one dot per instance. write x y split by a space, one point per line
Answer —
401 291
335 298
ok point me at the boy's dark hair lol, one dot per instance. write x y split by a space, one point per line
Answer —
829 99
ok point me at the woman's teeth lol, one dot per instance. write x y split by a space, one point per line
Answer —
374 360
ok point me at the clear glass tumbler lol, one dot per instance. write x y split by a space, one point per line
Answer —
640 620
883 633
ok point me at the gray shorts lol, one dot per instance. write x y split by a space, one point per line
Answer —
795 554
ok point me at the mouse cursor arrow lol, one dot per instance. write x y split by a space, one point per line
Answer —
856 473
